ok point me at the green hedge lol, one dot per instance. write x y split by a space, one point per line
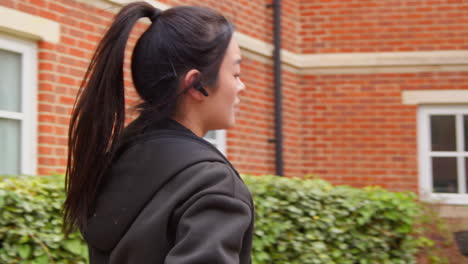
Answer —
310 221
297 221
30 222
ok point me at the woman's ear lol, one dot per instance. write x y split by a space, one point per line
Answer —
190 80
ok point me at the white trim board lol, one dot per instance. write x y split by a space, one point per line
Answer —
380 59
454 58
29 26
435 97
360 63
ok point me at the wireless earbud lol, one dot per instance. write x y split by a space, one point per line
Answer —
198 86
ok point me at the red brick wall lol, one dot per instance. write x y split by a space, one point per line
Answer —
290 25
357 131
370 26
255 19
251 17
293 139
249 142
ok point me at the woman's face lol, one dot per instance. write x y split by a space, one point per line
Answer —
223 101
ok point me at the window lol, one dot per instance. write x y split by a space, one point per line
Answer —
18 73
443 153
218 139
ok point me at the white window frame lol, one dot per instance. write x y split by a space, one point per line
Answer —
28 114
425 154
220 141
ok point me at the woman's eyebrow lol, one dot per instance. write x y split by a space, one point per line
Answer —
238 61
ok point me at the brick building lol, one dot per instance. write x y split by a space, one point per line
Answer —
375 92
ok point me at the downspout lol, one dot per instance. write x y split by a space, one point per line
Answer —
278 95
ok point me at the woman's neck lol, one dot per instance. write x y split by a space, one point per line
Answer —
192 126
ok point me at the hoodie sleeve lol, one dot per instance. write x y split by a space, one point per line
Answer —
211 230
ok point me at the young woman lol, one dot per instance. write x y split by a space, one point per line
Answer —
156 191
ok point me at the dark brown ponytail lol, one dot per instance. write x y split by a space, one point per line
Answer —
98 116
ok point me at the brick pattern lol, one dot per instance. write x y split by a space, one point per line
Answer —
251 17
255 19
357 131
293 140
393 25
248 144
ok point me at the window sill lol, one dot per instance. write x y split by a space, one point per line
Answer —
445 198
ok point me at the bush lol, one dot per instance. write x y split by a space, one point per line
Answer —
310 221
30 222
297 221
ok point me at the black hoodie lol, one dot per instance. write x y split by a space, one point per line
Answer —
172 198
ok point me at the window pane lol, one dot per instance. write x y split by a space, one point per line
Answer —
466 174
10 133
10 81
444 173
443 136
465 131
211 135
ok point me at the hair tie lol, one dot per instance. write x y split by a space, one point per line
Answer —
155 15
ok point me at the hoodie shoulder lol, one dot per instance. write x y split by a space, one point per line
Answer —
210 177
